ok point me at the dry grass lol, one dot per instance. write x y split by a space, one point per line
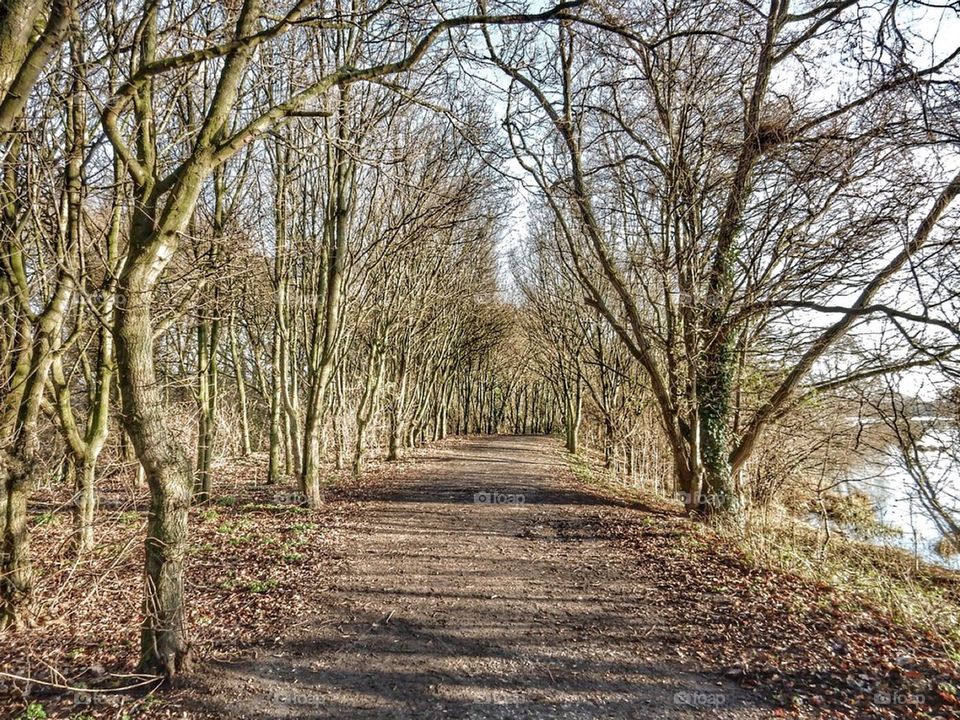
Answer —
915 594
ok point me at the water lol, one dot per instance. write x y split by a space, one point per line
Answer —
896 496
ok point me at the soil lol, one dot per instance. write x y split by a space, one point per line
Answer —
474 584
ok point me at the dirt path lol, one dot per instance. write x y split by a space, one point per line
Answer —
454 607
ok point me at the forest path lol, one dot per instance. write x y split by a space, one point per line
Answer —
451 607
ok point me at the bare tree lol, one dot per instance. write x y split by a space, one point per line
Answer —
716 214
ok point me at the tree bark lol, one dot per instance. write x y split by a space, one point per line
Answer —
164 644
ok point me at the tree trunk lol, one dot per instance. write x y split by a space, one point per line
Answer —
393 443
18 461
397 410
208 341
164 644
714 390
84 504
368 403
279 433
16 582
572 417
239 370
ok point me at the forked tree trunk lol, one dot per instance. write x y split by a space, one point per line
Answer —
160 216
19 467
26 45
18 457
328 310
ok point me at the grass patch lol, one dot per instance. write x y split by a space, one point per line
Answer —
261 586
914 594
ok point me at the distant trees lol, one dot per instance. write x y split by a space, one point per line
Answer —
580 356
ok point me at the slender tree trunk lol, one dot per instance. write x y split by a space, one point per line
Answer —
291 409
572 417
279 432
16 583
239 370
203 484
338 425
368 403
85 448
85 504
208 342
397 410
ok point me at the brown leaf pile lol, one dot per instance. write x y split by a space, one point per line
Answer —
809 649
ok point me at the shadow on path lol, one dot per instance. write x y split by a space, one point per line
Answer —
456 607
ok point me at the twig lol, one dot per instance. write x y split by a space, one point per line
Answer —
153 679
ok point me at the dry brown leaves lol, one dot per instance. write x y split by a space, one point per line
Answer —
256 568
811 650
